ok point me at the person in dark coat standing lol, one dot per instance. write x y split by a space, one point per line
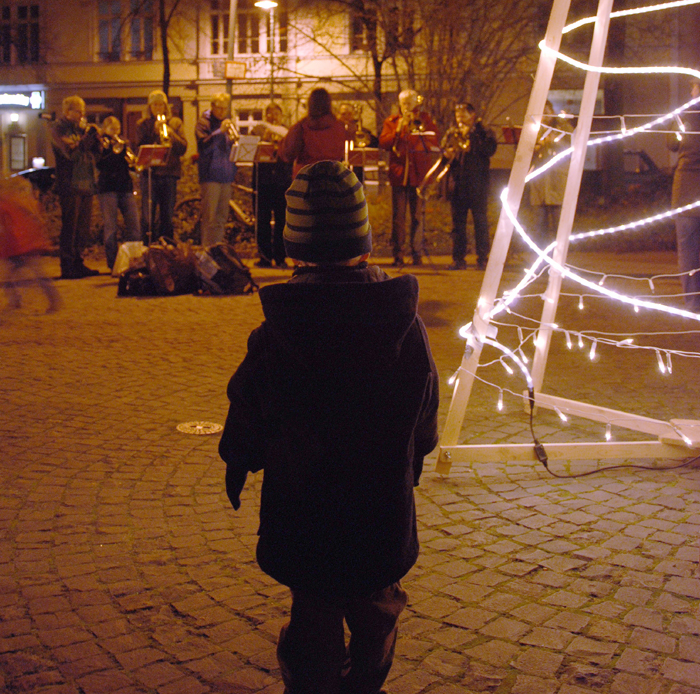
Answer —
470 145
316 137
74 143
115 188
271 179
215 132
686 190
337 401
160 127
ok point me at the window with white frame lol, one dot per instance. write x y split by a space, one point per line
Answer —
19 33
125 29
252 27
218 24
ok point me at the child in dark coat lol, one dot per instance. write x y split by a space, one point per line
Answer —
337 400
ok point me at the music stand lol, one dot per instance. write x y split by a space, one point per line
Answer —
149 156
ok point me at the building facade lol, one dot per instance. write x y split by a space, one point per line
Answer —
110 53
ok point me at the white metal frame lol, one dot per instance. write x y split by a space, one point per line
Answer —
676 438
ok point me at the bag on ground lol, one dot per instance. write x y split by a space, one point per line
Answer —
221 271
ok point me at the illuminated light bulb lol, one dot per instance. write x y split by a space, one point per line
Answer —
636 308
568 339
591 353
602 280
651 285
506 367
669 366
562 416
499 406
580 341
679 137
580 303
686 440
680 123
628 341
608 432
660 361
523 357
453 378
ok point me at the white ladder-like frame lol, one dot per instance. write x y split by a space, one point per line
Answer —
670 443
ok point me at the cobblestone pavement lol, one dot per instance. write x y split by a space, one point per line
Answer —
124 570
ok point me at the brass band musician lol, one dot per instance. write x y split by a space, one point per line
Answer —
216 133
271 179
468 146
411 137
71 139
160 127
115 188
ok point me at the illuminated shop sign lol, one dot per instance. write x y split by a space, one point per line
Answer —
33 100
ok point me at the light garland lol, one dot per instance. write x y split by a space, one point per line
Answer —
544 259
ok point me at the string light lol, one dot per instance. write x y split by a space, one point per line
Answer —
660 362
562 416
591 354
544 259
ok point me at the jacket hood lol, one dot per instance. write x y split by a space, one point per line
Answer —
320 122
344 327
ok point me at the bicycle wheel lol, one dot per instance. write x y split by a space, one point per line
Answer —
186 221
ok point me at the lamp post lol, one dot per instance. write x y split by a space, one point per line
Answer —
270 5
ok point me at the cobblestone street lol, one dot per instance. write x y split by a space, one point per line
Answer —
124 570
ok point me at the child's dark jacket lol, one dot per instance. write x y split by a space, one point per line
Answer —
337 400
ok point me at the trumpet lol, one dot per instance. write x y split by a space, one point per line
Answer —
231 131
119 145
162 129
85 126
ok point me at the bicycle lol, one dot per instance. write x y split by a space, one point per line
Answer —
241 219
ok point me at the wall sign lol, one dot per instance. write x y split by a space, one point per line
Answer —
34 100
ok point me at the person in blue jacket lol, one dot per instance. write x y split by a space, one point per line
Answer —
216 133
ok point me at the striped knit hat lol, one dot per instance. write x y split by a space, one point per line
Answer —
327 220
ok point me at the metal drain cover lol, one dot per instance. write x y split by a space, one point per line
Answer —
199 428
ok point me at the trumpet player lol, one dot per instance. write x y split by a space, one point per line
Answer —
469 145
271 180
216 133
115 188
411 137
72 140
160 127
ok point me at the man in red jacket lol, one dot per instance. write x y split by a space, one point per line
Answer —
412 139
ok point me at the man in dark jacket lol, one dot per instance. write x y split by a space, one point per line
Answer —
337 400
160 127
471 146
72 140
215 133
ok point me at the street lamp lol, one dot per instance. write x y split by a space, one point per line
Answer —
270 5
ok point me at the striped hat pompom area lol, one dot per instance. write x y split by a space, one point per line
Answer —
327 216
